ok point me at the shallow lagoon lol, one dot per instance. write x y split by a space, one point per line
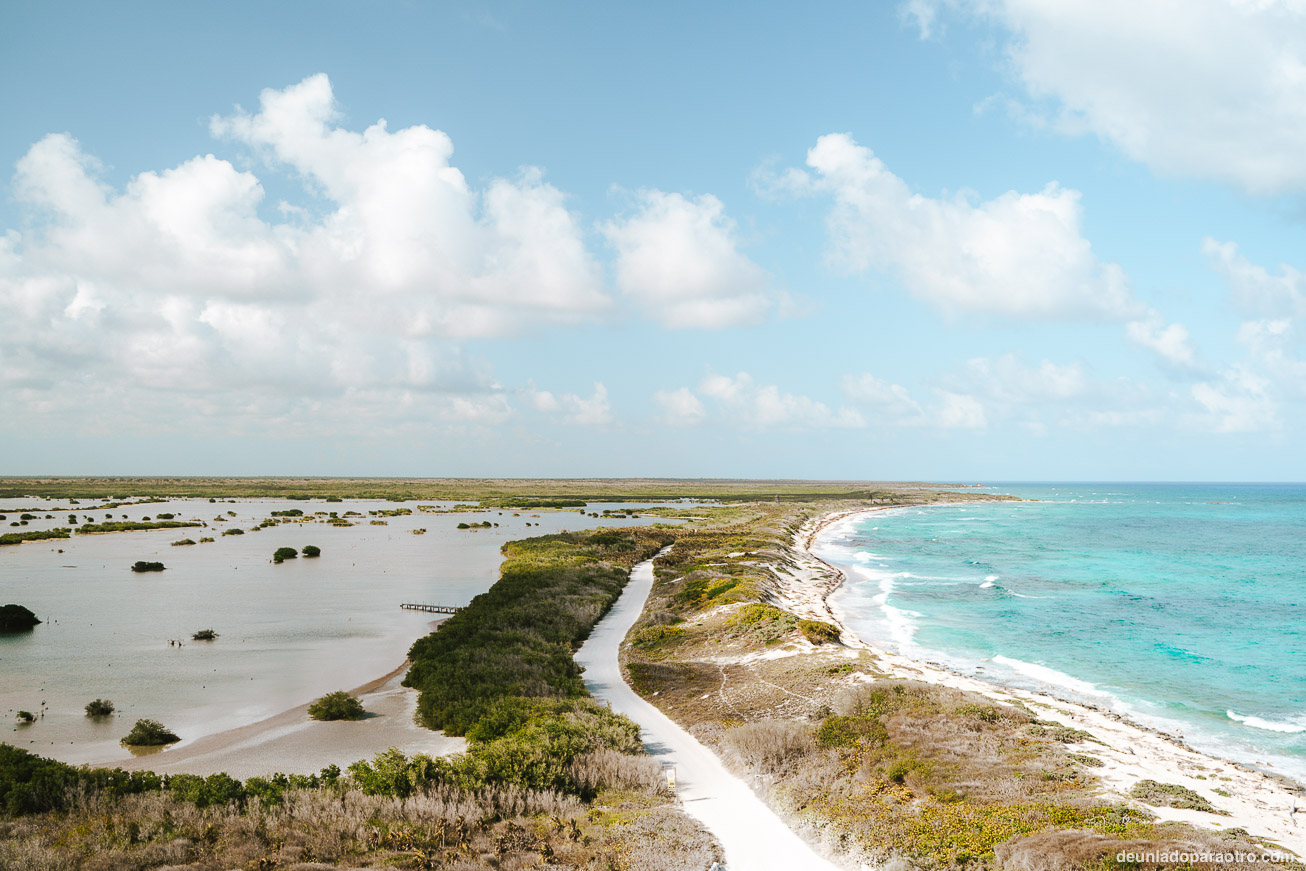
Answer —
287 633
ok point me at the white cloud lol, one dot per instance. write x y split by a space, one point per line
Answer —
1015 256
1007 380
680 407
741 401
1271 347
1208 88
574 409
178 282
892 402
1238 402
1253 287
958 411
679 258
1171 344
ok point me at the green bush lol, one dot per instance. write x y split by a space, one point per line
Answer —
16 618
233 531
312 550
339 705
205 635
143 566
818 631
183 542
99 708
149 733
26 717
284 553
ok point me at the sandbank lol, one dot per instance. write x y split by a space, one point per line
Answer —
291 742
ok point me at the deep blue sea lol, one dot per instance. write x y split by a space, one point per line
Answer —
1182 606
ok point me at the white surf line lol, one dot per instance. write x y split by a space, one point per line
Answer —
754 838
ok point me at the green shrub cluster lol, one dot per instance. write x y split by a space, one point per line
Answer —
517 638
39 535
146 566
339 705
130 526
528 502
284 553
31 784
150 733
17 618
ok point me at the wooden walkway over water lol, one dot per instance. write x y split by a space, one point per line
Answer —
431 609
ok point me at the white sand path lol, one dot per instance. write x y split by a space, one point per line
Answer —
754 838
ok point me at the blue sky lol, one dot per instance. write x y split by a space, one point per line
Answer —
938 239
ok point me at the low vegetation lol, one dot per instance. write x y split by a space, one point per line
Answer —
146 566
284 553
149 733
38 535
99 708
17 618
132 526
382 813
311 551
205 635
339 705
1171 795
185 542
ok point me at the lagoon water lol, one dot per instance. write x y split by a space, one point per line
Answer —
288 633
1181 606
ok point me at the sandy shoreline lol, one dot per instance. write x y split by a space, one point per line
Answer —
1259 802
293 743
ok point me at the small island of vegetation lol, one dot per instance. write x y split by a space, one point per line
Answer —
205 635
339 705
17 618
284 553
312 550
144 566
99 708
149 733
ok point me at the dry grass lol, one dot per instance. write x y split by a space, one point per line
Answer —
897 774
445 828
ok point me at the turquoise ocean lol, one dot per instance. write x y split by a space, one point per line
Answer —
1181 606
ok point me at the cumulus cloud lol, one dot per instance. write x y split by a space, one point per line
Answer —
178 282
573 409
1207 88
1254 288
679 258
739 400
1170 343
958 411
892 402
1239 401
1019 256
680 407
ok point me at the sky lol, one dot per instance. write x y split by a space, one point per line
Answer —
951 240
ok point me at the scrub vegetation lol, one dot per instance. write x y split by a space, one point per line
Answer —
879 770
339 705
38 535
17 618
132 526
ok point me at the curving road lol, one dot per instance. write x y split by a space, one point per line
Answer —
754 838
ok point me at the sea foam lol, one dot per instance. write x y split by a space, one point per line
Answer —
1268 725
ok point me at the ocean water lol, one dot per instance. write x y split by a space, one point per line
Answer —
287 633
1182 606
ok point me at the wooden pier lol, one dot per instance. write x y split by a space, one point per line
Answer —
431 609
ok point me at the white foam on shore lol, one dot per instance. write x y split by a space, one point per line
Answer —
1051 676
1268 725
899 621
